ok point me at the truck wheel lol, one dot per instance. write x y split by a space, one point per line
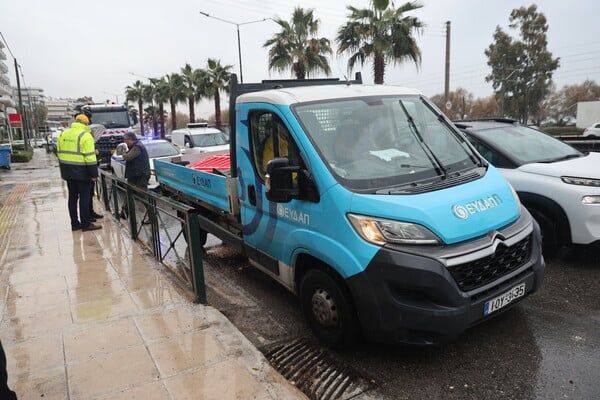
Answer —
203 237
202 233
328 309
550 241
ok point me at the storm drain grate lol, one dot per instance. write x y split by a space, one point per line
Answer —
315 372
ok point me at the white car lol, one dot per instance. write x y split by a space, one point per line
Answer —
557 183
157 150
200 138
592 131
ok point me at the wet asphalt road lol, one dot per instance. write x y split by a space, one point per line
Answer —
547 347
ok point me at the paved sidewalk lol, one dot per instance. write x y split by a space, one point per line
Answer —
89 315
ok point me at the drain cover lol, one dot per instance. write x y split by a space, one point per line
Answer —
315 372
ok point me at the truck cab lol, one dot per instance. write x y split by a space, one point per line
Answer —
117 121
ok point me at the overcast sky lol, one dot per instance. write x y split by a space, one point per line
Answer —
76 48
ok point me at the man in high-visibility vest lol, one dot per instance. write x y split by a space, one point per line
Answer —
79 167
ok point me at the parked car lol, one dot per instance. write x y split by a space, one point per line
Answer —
200 138
38 142
592 131
157 150
559 185
567 121
548 122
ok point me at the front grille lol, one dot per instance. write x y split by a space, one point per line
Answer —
106 144
478 273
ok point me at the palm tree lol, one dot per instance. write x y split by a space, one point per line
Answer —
192 87
161 96
135 93
380 33
174 83
217 79
151 112
152 116
297 48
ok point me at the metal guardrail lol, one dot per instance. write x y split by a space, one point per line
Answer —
581 144
169 229
585 145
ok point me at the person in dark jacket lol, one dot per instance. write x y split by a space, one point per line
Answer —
5 392
79 167
137 164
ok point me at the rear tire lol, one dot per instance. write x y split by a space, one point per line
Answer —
328 309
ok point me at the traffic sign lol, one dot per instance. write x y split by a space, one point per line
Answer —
14 120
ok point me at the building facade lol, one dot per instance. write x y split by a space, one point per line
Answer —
60 110
6 102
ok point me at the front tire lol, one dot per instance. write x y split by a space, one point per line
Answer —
550 240
328 309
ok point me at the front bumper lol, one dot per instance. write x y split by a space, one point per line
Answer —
424 295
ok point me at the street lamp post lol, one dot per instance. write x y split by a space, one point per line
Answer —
237 25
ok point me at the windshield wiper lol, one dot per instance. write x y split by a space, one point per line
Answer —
561 158
437 165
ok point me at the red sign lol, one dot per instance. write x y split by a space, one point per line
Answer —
14 120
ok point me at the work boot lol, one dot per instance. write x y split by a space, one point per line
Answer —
91 227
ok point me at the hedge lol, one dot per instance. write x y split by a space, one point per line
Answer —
562 130
19 154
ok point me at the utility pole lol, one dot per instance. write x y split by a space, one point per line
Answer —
447 74
24 124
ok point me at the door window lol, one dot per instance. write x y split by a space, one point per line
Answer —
270 138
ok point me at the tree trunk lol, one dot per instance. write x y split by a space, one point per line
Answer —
299 71
191 106
161 119
173 115
378 69
141 116
217 109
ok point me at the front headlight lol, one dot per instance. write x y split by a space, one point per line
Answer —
571 180
381 231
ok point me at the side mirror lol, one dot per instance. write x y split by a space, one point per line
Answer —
279 181
121 149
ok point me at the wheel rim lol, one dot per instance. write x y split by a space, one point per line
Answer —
324 308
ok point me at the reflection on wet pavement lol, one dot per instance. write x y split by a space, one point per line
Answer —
90 315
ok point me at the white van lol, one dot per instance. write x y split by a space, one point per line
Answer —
199 138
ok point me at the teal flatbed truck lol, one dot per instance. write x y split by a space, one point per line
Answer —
370 205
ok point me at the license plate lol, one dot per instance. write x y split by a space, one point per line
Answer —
504 299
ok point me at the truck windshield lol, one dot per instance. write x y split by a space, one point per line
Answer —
378 142
111 119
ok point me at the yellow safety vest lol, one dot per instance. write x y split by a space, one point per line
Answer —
76 146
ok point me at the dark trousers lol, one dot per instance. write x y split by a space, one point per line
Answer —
92 190
5 392
139 181
79 192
